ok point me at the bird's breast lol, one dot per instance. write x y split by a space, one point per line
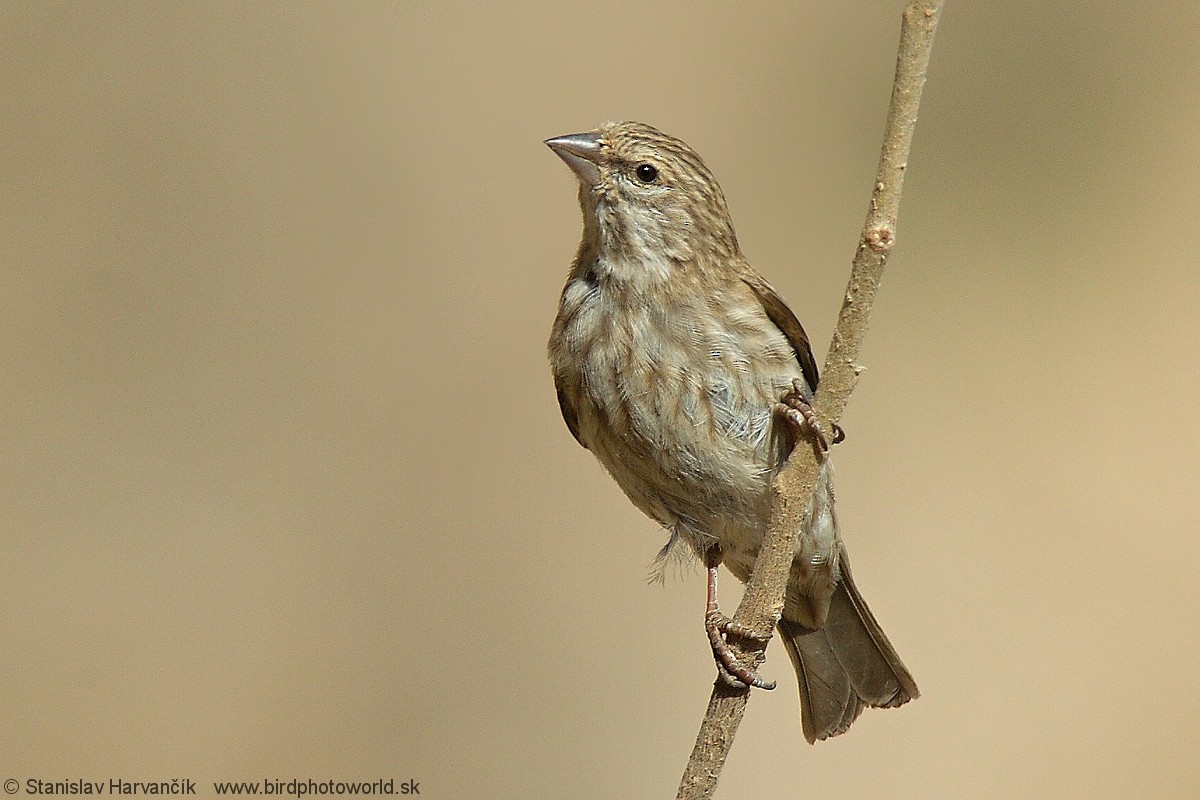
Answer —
674 392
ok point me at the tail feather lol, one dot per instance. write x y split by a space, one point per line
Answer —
845 665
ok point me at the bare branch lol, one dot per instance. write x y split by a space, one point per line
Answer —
792 491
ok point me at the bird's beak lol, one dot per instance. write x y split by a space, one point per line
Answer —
581 151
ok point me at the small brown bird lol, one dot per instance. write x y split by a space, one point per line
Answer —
688 377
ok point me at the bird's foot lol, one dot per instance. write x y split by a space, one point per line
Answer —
796 409
732 669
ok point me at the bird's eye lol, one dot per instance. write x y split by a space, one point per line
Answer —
646 173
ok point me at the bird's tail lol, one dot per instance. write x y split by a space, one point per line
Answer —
845 665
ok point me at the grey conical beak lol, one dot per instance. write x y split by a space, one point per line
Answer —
581 151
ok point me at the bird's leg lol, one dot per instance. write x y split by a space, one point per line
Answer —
796 410
729 666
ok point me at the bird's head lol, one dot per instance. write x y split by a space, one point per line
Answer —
647 196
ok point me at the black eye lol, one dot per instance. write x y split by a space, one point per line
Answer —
646 173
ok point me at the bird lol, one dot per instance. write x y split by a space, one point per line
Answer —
690 379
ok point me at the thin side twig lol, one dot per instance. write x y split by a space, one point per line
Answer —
793 487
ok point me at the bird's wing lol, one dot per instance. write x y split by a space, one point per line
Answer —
786 321
568 413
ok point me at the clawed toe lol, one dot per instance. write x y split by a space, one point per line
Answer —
733 671
797 410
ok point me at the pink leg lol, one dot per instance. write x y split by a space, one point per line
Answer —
718 626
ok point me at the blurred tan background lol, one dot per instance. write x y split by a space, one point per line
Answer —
285 491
